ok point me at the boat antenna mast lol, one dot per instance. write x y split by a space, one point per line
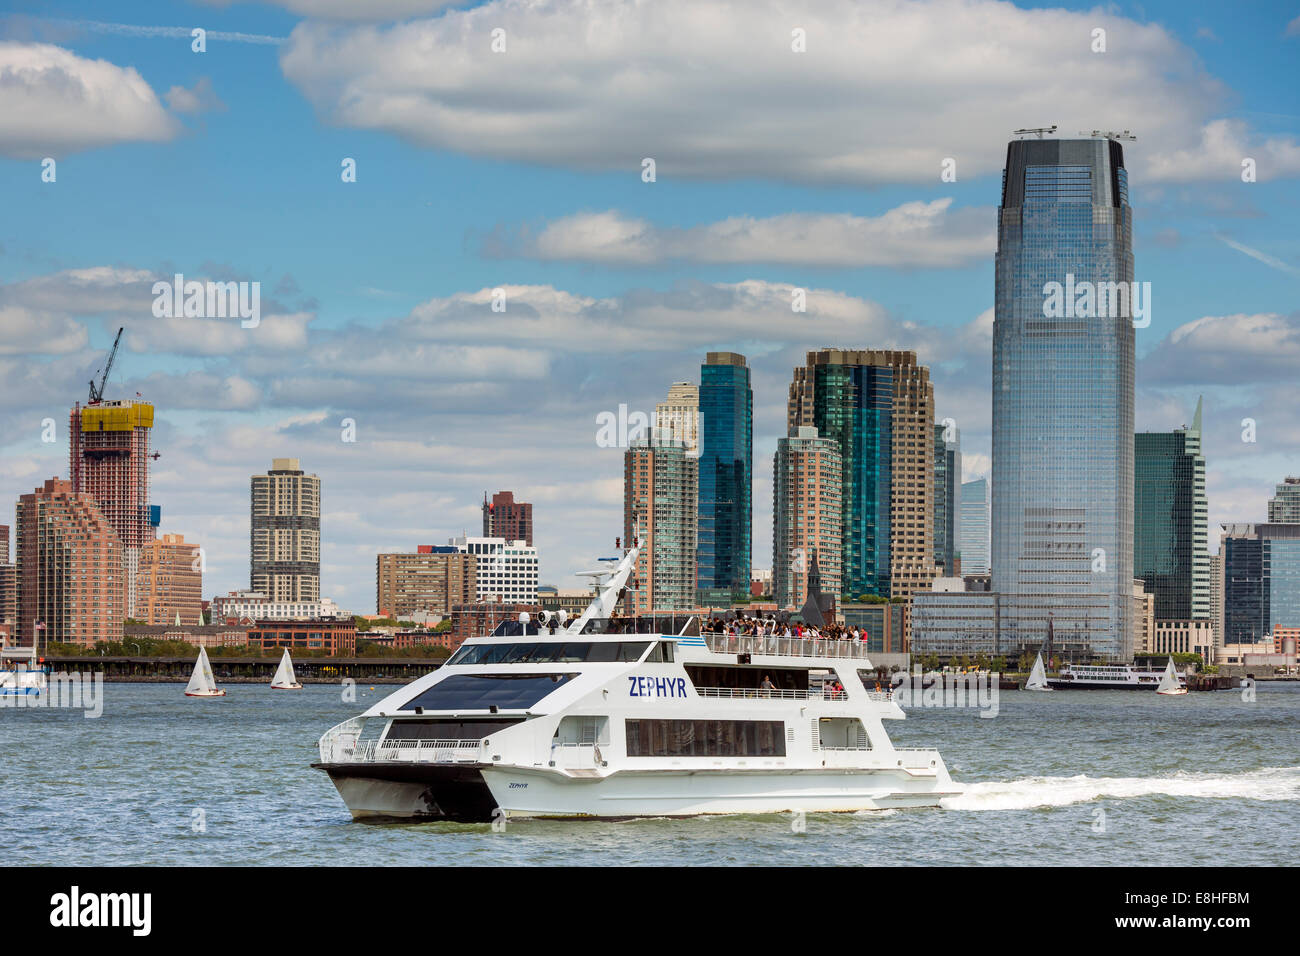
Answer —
97 394
1035 131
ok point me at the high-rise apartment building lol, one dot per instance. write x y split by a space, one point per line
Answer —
505 571
503 517
807 512
285 533
108 459
8 585
726 466
431 580
1284 506
947 498
677 418
879 406
660 509
975 526
1171 521
171 582
71 569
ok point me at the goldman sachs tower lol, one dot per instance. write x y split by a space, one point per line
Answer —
1062 518
1062 469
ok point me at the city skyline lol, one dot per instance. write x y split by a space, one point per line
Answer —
634 282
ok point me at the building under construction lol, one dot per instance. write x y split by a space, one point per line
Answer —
109 460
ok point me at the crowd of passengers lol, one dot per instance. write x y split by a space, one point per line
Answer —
771 627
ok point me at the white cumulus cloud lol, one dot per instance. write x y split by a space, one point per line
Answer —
923 234
53 102
885 92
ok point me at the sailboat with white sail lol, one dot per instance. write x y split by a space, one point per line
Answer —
284 678
1170 685
1038 676
202 683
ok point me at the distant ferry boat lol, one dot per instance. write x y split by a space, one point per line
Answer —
21 675
574 721
1107 677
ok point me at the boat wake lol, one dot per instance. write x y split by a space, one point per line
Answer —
1271 783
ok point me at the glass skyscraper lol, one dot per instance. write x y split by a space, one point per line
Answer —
1062 522
878 404
726 426
1170 515
1261 580
974 545
853 405
947 494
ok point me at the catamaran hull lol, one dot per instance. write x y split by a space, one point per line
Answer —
482 793
412 791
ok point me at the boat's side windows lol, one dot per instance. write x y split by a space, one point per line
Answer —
655 656
666 649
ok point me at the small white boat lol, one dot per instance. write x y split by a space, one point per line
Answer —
1038 676
284 678
202 683
1170 685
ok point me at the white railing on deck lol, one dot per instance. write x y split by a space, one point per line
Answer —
423 751
785 646
342 744
772 693
338 743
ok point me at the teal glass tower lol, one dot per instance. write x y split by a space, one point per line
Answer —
947 498
1062 515
854 405
726 436
1170 521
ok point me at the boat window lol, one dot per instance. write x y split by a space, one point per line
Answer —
481 691
705 738
446 729
547 652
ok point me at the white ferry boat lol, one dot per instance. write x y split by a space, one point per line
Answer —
1107 677
568 719
21 673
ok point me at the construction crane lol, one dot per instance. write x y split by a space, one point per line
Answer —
97 394
1036 131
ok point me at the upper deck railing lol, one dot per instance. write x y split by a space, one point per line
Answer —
785 646
345 744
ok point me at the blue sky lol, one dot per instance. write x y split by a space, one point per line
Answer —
523 170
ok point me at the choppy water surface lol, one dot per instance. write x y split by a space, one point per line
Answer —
1065 778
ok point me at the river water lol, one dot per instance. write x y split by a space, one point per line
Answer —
1087 778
